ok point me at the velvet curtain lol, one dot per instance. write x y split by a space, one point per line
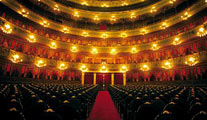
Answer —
103 78
88 78
118 78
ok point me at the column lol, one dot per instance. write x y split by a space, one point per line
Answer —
82 78
112 78
94 78
124 79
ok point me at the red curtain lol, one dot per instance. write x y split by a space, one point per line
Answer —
118 78
103 78
88 78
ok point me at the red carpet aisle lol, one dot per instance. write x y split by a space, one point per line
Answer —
104 108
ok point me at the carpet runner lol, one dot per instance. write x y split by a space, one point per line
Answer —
104 108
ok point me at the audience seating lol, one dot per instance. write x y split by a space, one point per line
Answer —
46 101
160 102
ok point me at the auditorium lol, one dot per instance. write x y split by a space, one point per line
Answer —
103 59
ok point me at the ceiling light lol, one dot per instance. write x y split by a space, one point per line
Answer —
132 16
153 10
65 30
74 49
24 13
167 65
113 51
85 34
62 66
124 35
40 63
94 51
134 50
96 18
103 69
56 8
16 58
83 68
53 45
124 69
104 5
31 39
104 35
185 16
155 46
84 3
191 61
113 18
163 26
176 41
76 14
145 67
45 23
6 28
202 32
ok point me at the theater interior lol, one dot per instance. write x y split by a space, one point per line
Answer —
103 59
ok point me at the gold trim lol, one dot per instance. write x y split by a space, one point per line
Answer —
112 34
98 3
105 15
101 49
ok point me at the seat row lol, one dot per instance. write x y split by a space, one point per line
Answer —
160 102
43 101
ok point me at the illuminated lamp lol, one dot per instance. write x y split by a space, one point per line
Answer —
132 16
113 51
191 61
153 10
124 35
24 13
185 16
104 5
96 18
56 8
167 65
104 36
74 49
45 23
94 51
62 66
16 58
103 69
76 14
123 69
176 41
155 46
134 50
172 1
65 30
163 26
113 19
143 31
31 39
40 63
6 28
84 3
145 67
124 4
85 34
83 68
202 32
53 45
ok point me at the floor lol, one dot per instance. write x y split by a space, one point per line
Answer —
104 108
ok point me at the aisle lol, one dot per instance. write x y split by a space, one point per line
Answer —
104 108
